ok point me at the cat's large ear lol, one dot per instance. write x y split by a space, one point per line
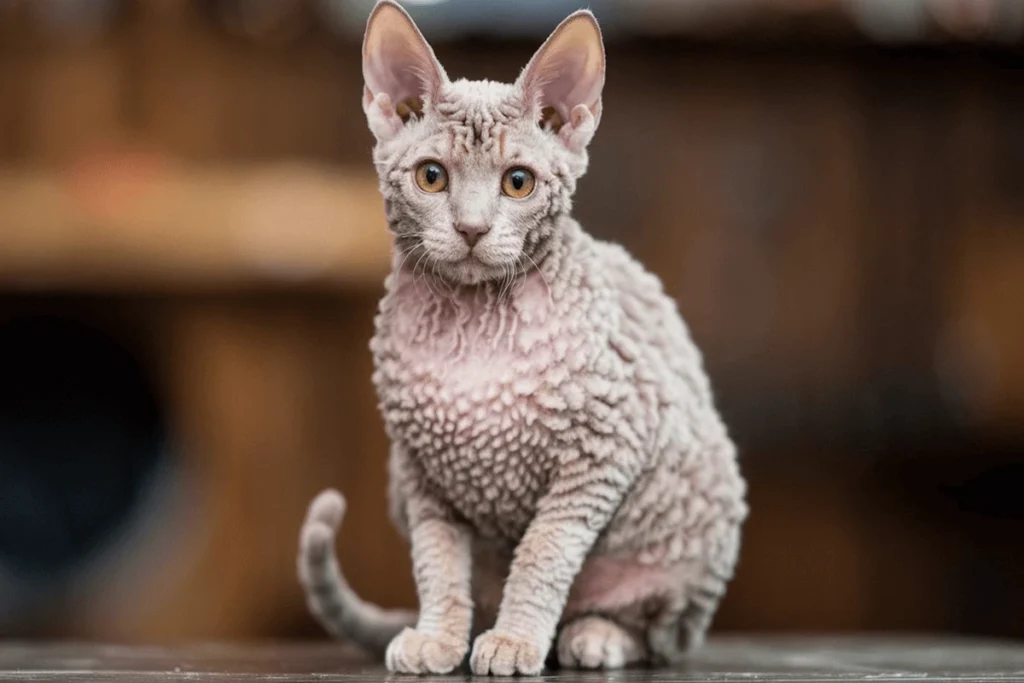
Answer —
562 83
400 72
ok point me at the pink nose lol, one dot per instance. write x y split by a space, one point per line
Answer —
471 233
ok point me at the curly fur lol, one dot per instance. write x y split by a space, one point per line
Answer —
557 461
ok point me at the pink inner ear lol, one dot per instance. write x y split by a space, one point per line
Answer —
395 71
396 58
569 84
568 70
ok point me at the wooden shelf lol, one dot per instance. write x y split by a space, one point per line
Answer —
142 224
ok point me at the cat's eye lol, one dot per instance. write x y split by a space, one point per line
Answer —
431 177
517 183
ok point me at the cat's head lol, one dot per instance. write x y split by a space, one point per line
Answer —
475 172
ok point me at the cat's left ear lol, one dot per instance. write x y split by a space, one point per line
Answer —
562 84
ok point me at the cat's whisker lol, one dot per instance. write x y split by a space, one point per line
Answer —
437 279
520 268
508 278
514 277
405 258
547 285
415 269
501 281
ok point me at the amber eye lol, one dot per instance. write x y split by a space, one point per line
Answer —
431 177
517 183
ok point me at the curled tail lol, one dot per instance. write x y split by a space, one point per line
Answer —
331 600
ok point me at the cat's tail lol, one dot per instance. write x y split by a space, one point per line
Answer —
331 600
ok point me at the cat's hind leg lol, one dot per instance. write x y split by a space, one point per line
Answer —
683 626
594 642
622 612
610 609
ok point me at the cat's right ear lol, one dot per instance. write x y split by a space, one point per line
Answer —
400 72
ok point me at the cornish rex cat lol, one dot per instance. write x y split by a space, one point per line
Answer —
557 462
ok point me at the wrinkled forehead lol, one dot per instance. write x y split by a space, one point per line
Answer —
480 119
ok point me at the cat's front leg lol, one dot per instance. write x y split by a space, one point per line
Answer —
581 502
442 565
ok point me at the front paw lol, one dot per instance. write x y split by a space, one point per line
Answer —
414 652
502 654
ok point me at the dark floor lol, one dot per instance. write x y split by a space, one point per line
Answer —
723 659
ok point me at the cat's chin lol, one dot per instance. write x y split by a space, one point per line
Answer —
471 271
468 271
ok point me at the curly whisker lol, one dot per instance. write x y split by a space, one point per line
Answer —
547 285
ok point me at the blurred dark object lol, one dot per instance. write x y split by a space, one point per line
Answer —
81 439
73 20
267 21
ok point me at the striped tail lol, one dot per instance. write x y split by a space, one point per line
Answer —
333 603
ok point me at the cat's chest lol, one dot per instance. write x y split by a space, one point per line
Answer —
476 432
483 411
453 388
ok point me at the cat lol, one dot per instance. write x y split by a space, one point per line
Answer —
557 462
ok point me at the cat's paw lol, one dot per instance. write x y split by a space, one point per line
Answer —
596 643
503 654
413 652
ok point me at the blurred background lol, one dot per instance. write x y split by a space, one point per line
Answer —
192 247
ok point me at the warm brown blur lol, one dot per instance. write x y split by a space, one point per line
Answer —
192 245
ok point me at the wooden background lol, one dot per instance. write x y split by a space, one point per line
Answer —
842 223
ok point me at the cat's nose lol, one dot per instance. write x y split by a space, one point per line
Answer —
471 232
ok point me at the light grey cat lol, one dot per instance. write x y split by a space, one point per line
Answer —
557 462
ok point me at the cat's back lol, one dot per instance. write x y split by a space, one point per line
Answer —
691 481
649 326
